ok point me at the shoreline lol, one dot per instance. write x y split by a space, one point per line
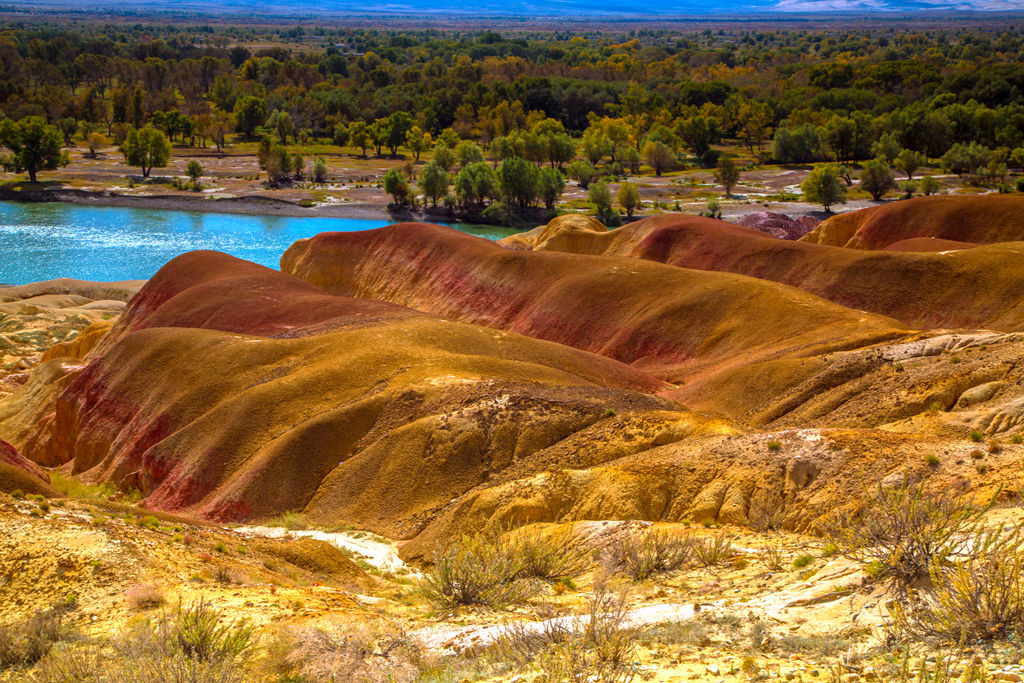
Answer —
248 205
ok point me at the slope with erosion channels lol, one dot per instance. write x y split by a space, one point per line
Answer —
681 325
965 288
973 219
233 391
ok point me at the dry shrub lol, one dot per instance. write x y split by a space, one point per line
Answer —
772 558
481 569
596 645
348 652
642 554
550 557
143 596
902 530
714 551
767 512
980 597
27 642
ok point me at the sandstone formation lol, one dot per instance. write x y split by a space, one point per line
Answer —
974 219
775 224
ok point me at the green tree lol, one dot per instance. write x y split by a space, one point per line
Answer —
909 161
476 183
340 134
35 146
443 156
698 133
194 170
877 178
550 185
929 186
434 182
319 170
886 147
396 129
582 171
601 197
147 148
274 159
823 186
67 127
298 165
727 174
281 123
359 136
517 181
417 141
468 153
250 113
629 197
658 156
396 185
94 141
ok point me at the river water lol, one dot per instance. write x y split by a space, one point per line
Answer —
51 240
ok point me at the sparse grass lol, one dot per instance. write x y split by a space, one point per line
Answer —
932 460
290 520
976 436
772 558
144 596
774 446
26 643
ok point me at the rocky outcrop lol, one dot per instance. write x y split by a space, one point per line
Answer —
777 224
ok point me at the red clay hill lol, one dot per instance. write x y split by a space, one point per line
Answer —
973 219
965 288
678 324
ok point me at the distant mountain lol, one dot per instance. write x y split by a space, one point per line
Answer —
587 9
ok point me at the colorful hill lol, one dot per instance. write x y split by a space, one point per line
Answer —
975 219
966 288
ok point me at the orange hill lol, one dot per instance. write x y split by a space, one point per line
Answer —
233 391
981 220
674 323
970 288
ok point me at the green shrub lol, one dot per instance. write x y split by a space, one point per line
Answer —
481 569
976 436
803 561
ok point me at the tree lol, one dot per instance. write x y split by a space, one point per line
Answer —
468 153
194 170
886 147
274 159
443 156
396 185
727 174
67 127
35 146
929 186
340 134
417 141
582 171
823 186
147 148
298 165
396 129
94 141
876 179
601 197
250 112
658 156
909 161
517 181
698 133
476 183
434 182
961 158
629 197
218 129
800 145
550 185
319 170
359 136
281 123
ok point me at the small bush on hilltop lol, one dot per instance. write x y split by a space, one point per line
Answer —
903 530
